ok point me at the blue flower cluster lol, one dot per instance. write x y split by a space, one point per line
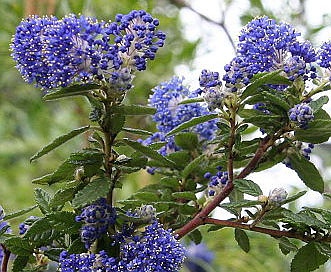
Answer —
54 53
217 181
301 114
211 89
170 113
197 254
153 250
324 56
96 219
264 46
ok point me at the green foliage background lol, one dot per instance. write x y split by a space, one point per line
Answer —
27 123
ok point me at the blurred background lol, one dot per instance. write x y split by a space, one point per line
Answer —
200 34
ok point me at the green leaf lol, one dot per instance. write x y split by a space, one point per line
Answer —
137 131
303 218
195 236
294 197
19 246
59 141
318 103
42 199
242 239
262 79
193 122
146 196
170 182
307 172
184 195
187 140
192 166
276 99
326 214
19 213
93 191
318 131
150 153
260 119
191 100
61 197
19 263
74 90
90 159
308 259
240 204
248 187
134 110
286 246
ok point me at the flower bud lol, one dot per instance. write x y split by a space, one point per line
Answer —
276 196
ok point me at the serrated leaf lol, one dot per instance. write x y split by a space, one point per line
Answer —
19 263
76 247
184 195
170 182
286 246
193 122
248 187
42 199
146 196
294 197
192 166
318 131
19 213
53 253
318 103
93 191
134 110
308 258
150 153
240 204
276 100
90 159
19 246
260 119
137 131
61 197
187 140
187 210
59 141
74 90
302 218
326 214
242 239
262 79
307 172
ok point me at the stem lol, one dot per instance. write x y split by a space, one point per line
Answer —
200 218
271 232
182 3
5 258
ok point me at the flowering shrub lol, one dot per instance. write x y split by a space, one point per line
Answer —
199 151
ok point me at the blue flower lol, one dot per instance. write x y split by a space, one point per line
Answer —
197 254
55 53
96 219
155 250
324 56
265 46
216 182
301 114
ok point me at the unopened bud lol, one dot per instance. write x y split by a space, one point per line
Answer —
262 198
79 173
146 212
276 196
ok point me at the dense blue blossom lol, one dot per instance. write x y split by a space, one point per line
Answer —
196 254
324 56
170 113
265 46
96 219
301 114
54 53
154 250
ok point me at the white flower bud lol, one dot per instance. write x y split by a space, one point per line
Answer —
276 196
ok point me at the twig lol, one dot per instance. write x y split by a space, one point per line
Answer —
271 232
5 259
182 3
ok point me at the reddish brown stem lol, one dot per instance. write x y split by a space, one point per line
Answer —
5 258
271 232
200 217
